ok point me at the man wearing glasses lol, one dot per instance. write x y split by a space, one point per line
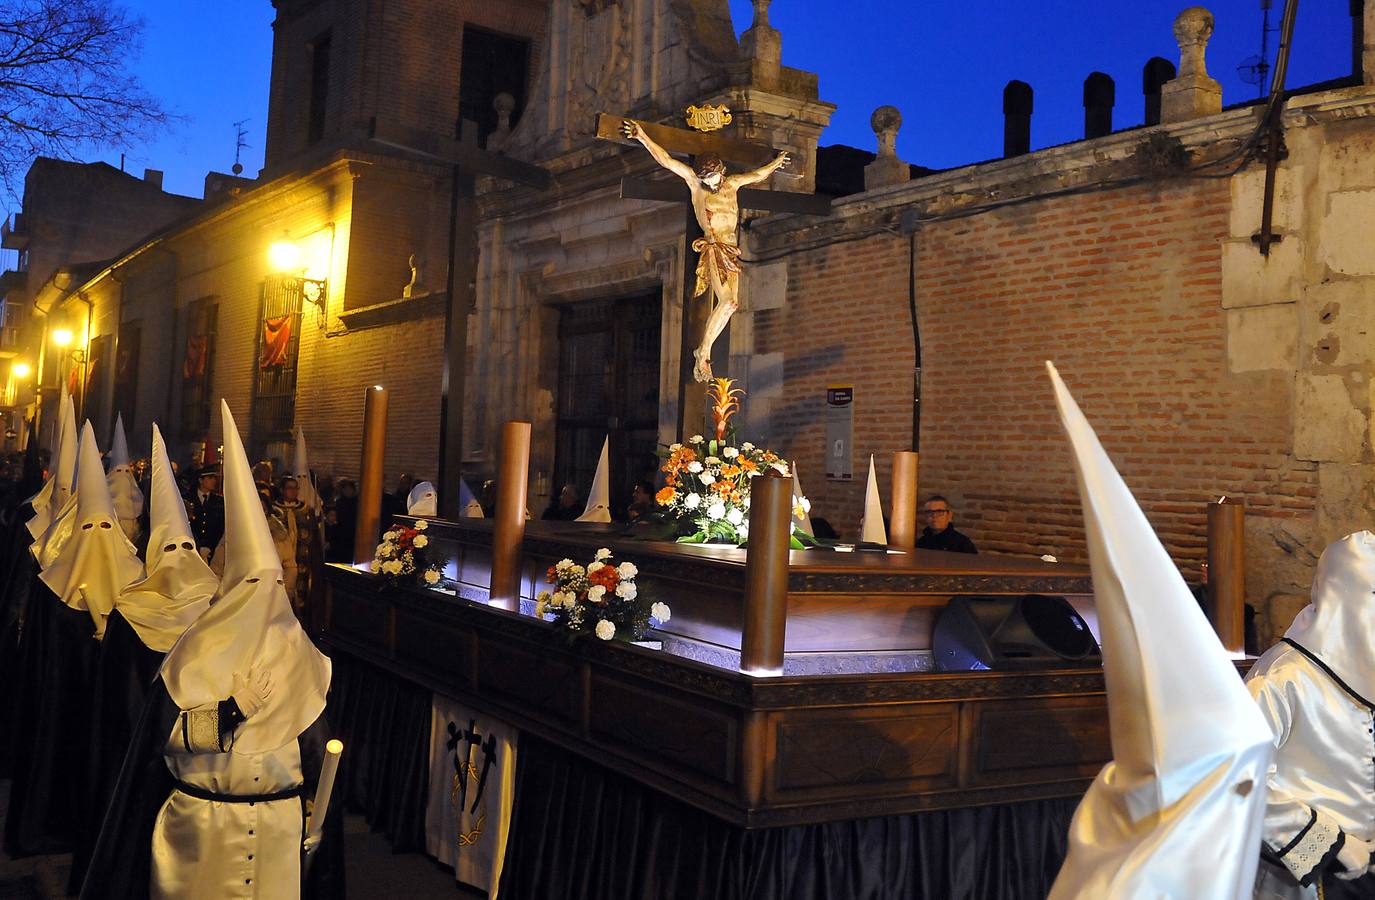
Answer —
939 533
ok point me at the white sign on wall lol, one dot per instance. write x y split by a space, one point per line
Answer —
840 428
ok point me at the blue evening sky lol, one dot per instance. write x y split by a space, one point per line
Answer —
943 65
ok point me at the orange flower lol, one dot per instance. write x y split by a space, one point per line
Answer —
747 464
729 471
606 576
664 497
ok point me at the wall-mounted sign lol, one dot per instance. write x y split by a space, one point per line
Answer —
840 429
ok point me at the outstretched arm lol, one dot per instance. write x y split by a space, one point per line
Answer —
760 173
635 132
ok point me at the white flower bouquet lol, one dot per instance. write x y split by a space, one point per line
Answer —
600 598
403 555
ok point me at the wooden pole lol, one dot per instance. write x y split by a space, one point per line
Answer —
903 533
766 575
513 473
370 473
1227 571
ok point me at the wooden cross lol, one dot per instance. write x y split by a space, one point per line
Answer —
468 161
691 404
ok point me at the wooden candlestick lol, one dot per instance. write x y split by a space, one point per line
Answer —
902 533
1227 571
508 532
370 473
766 575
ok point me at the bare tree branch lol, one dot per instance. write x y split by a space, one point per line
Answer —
64 82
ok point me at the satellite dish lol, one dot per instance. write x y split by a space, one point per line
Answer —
1253 69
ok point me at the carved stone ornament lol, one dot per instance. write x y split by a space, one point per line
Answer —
708 118
599 55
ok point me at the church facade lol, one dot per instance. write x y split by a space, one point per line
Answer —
1209 367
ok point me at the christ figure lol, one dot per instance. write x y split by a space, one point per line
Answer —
718 212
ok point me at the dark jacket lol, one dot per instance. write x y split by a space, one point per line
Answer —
207 520
949 540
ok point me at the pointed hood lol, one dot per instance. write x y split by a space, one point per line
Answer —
467 500
598 507
423 500
61 519
802 512
31 477
300 469
178 585
58 488
1335 626
124 489
97 560
1178 811
250 624
871 527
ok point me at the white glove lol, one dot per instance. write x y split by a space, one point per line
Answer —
1355 855
311 842
251 691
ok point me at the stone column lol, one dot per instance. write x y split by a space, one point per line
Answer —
886 168
1191 93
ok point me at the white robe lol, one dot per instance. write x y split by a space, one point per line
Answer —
203 849
1320 783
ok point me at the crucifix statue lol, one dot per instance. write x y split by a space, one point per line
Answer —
716 203
714 200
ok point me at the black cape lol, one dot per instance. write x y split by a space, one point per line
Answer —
121 865
124 673
57 657
16 574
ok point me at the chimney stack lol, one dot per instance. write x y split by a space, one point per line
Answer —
1016 118
153 177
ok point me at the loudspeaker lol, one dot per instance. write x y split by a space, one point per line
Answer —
1033 631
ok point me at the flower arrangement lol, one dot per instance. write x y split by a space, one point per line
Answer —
403 554
600 598
707 483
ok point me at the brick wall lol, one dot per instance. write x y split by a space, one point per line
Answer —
1122 289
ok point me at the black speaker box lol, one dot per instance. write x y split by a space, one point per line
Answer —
1001 633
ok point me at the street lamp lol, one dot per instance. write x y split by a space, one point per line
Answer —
21 370
284 257
62 337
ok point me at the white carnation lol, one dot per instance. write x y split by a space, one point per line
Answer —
781 468
660 611
707 478
376 564
603 553
626 590
421 524
563 565
392 566
596 592
735 516
716 511
695 439
432 576
605 630
561 598
421 542
627 570
595 567
694 467
674 448
747 446
692 501
544 596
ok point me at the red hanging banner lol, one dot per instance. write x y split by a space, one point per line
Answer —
276 337
193 367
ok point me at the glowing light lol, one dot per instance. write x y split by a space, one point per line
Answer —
21 370
284 256
62 337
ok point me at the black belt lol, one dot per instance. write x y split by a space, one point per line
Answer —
201 793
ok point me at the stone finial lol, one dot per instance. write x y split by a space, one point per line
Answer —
1191 93
762 46
504 104
886 168
1017 106
1192 30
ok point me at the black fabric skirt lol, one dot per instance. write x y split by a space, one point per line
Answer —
384 722
583 832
